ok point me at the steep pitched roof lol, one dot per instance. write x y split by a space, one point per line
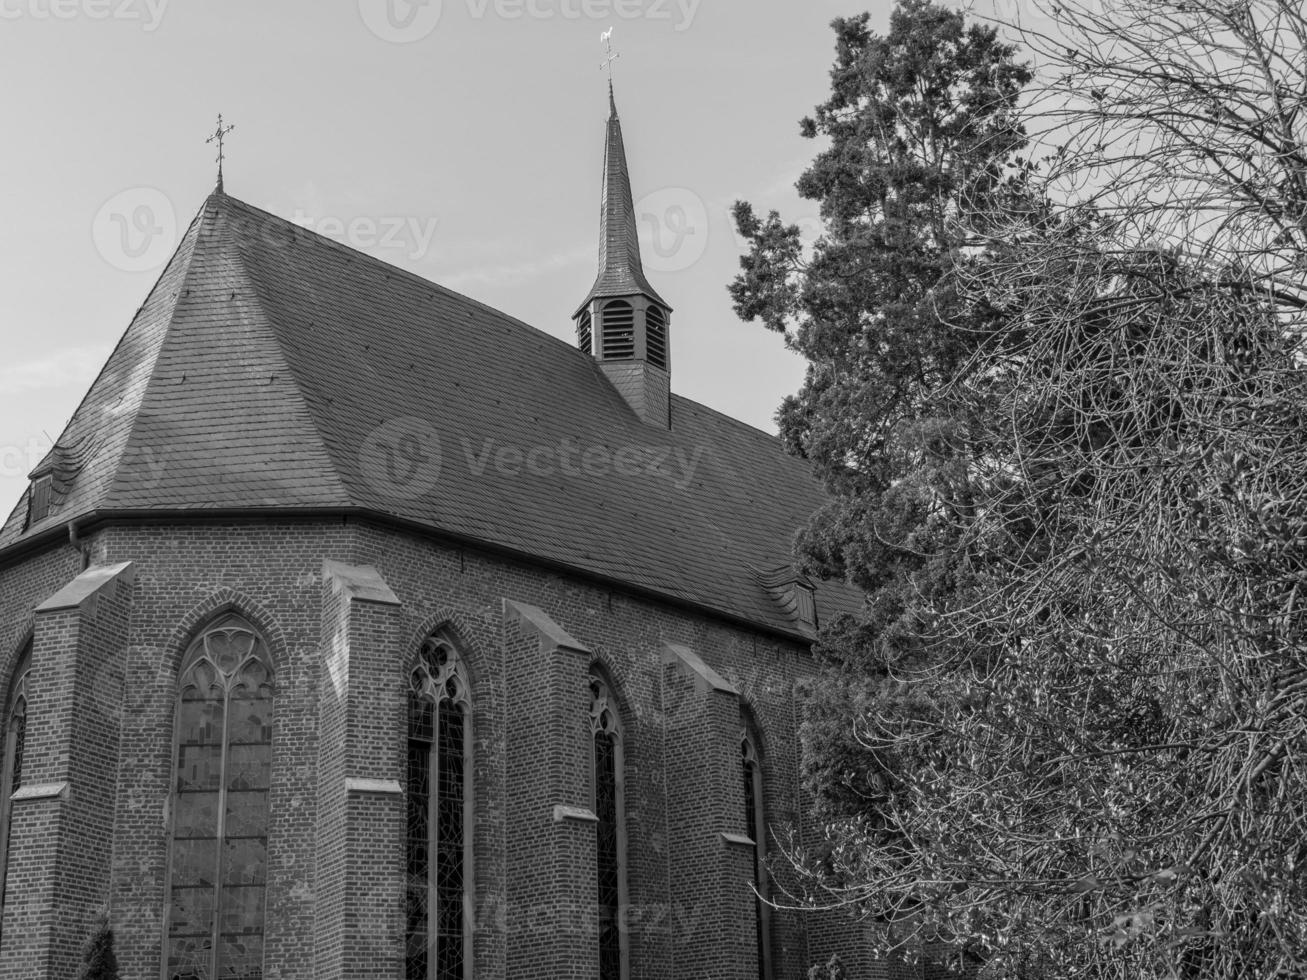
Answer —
621 270
272 369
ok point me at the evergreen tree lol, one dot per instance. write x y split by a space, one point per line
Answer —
1061 412
98 959
923 138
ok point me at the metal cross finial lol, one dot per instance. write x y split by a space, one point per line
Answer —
607 39
220 137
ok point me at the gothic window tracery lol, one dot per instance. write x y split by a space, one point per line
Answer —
439 802
222 776
606 732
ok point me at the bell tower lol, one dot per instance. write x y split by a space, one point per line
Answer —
624 323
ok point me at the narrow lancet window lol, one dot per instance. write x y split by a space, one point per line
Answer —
439 817
609 807
756 824
11 773
220 806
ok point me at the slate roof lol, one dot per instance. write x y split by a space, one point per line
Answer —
274 370
621 270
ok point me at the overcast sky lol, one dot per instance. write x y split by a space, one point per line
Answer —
459 139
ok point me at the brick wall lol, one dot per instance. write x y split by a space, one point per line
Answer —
333 853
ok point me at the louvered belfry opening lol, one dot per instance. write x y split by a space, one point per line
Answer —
585 332
656 337
618 324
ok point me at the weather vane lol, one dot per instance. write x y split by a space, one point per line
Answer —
220 137
607 39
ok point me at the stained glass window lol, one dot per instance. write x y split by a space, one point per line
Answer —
220 806
11 771
757 828
439 799
606 732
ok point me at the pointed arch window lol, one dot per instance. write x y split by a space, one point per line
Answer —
618 336
609 807
755 821
439 800
219 855
11 772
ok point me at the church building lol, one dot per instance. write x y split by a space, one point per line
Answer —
355 630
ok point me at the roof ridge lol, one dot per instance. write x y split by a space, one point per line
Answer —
319 238
316 237
740 423
196 230
270 323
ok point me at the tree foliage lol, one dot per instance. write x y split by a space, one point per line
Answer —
98 959
1061 408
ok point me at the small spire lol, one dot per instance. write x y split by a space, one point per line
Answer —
623 322
220 137
621 271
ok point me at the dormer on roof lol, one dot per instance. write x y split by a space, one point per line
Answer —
54 476
624 323
793 592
